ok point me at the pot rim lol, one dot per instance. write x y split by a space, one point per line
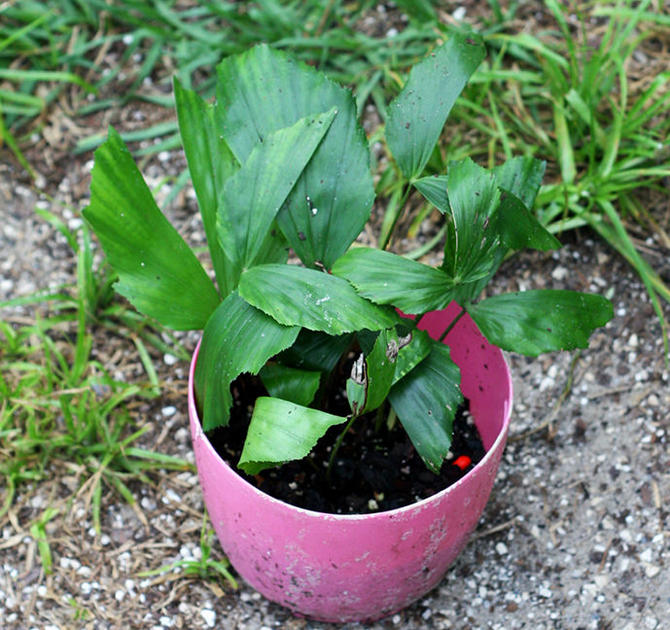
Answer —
199 434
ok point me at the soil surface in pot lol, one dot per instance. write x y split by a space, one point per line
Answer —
374 470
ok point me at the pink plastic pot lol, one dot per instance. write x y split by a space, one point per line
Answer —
361 567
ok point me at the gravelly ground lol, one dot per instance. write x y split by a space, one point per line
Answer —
575 535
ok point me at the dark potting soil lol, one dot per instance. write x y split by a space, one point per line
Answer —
374 470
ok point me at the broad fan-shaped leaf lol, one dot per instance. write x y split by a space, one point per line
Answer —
368 390
297 296
470 240
412 353
522 176
281 431
210 163
518 228
264 90
386 278
316 350
417 116
238 338
253 196
292 384
157 270
434 189
426 401
532 322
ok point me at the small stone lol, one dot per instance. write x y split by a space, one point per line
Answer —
209 616
633 341
601 580
501 548
651 570
148 504
560 273
427 614
646 555
169 359
459 14
650 623
169 411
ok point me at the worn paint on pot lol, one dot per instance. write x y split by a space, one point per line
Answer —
361 567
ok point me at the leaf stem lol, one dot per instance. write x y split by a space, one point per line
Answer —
387 238
337 445
451 325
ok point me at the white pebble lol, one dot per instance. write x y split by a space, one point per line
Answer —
169 359
501 548
169 411
560 273
209 616
148 504
651 570
459 14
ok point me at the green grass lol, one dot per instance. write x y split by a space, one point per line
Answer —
65 47
206 567
60 404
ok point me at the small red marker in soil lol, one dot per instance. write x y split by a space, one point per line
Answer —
463 461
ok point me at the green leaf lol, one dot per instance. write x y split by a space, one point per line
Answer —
296 296
210 163
157 271
292 384
532 322
434 189
412 353
254 195
426 401
519 229
369 386
522 176
470 241
386 278
417 116
264 90
281 431
238 338
357 393
316 350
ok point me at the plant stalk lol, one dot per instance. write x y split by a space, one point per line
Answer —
337 445
451 325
